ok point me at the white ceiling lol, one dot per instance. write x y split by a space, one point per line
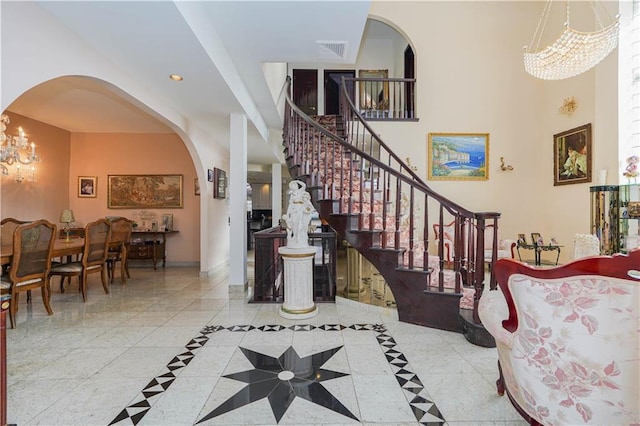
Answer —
218 46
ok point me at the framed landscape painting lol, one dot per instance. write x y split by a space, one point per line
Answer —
458 156
144 191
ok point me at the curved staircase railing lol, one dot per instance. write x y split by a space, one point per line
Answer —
380 206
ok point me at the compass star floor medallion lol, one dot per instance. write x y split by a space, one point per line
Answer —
283 379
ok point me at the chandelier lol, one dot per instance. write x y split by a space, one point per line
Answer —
574 52
16 150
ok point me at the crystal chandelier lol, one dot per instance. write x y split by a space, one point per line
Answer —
574 52
16 150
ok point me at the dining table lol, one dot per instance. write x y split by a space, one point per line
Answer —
61 248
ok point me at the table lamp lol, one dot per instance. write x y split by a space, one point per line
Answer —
66 217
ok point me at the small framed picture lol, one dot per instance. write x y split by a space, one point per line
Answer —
633 209
196 185
219 183
537 239
167 222
210 175
522 240
87 186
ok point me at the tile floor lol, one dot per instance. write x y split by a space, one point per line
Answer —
172 348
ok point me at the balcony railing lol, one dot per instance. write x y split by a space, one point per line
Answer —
387 99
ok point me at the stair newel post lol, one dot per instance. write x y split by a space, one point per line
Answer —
441 249
396 240
425 234
458 248
472 253
318 163
494 255
309 135
385 179
411 214
479 277
361 188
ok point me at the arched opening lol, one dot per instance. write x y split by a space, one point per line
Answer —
86 129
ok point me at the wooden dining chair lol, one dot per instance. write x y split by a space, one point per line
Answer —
30 263
94 257
7 226
121 229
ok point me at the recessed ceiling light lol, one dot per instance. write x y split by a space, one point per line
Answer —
176 77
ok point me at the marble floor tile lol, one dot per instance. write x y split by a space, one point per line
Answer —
171 347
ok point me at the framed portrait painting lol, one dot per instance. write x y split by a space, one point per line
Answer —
458 156
87 186
572 156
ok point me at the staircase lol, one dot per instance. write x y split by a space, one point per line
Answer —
378 204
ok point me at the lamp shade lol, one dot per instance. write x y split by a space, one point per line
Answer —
66 216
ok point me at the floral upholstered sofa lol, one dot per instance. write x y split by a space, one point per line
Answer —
568 339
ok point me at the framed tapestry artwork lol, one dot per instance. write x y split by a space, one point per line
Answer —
196 186
87 186
144 191
219 183
572 156
458 156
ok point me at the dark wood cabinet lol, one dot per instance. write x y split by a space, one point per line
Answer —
149 245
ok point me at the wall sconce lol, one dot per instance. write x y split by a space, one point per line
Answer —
504 167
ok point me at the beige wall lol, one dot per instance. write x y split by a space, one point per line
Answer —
65 156
45 198
112 154
471 78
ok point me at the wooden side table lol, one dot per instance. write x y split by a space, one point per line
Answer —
149 245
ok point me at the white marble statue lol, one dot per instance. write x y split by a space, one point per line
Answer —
298 215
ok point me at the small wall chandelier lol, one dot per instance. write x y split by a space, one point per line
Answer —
16 150
574 52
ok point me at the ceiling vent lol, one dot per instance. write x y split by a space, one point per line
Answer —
331 49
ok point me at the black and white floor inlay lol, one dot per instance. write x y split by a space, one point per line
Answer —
280 380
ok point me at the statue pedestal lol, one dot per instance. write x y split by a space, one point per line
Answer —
298 283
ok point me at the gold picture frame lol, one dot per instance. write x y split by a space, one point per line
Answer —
374 95
572 156
458 156
144 192
87 186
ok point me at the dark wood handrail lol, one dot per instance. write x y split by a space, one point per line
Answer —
387 188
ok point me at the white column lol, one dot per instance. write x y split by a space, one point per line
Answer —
276 193
238 203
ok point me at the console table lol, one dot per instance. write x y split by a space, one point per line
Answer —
149 245
537 250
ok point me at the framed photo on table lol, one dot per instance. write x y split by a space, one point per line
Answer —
537 239
522 240
87 186
167 222
572 156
